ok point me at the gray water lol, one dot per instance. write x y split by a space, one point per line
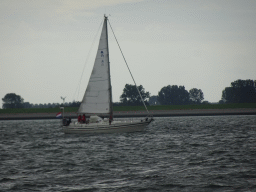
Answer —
172 154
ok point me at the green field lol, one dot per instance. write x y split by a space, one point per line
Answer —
137 108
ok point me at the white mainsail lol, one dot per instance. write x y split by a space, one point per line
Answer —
98 97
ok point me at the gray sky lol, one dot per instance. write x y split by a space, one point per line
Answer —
45 45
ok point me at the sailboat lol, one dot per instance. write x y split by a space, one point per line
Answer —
97 99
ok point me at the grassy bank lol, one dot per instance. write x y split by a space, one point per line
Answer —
137 108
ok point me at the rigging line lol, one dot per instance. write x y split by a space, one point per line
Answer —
128 68
78 87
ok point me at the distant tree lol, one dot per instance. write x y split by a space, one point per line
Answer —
228 95
55 105
131 97
11 100
196 95
241 91
153 100
27 105
116 104
173 95
75 104
205 102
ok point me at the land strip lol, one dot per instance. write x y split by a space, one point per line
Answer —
139 113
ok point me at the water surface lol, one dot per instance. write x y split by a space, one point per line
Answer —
173 154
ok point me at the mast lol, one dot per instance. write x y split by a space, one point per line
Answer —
110 87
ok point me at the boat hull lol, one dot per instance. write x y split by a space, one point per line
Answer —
105 128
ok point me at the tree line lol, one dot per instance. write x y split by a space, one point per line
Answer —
240 91
169 95
11 100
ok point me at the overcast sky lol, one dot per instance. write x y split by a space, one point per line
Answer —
46 45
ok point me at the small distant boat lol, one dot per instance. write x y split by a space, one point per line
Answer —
97 99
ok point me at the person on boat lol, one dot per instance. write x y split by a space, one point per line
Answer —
83 119
66 121
69 121
79 118
110 119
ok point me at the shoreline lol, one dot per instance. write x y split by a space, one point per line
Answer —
124 114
